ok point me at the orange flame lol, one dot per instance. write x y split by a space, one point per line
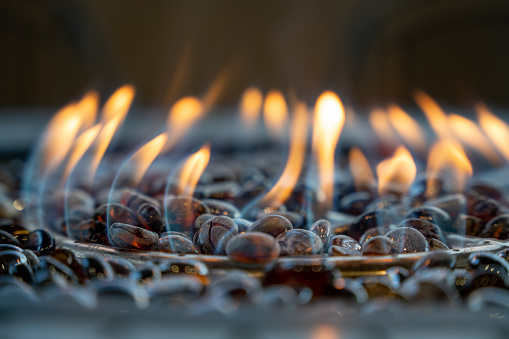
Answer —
118 104
141 160
275 112
250 106
328 122
284 186
469 133
183 114
496 129
396 173
435 115
81 145
361 171
406 127
88 107
447 156
192 170
382 127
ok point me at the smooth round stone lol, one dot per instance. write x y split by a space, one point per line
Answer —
435 259
504 254
355 203
51 270
174 233
19 232
67 258
378 245
484 260
221 190
346 242
181 213
15 263
486 209
497 228
372 232
201 219
176 244
486 190
96 267
242 224
322 228
379 218
9 239
133 199
426 228
214 235
453 204
472 226
437 245
407 240
33 259
40 241
219 207
128 236
151 218
299 242
271 224
122 268
115 212
253 248
340 251
93 231
432 214
295 218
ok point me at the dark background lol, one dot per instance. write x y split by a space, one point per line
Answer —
370 52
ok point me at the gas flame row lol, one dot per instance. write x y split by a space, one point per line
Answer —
77 131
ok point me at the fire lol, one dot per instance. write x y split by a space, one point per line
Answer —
406 127
435 115
396 173
250 106
448 157
382 127
118 104
470 134
192 170
183 114
328 122
284 186
88 106
495 129
141 160
81 145
361 171
275 112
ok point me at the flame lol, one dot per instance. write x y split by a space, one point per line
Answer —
406 127
59 136
382 127
328 122
435 115
397 172
360 169
284 186
192 170
447 156
250 106
183 114
118 104
469 133
496 129
88 107
143 157
275 112
81 145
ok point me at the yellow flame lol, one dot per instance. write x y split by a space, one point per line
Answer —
470 134
81 145
328 122
434 113
183 114
382 127
284 186
407 127
192 170
495 128
360 169
447 156
250 106
275 112
118 104
59 136
396 173
88 107
141 160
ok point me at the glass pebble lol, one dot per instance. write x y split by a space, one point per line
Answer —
299 242
253 247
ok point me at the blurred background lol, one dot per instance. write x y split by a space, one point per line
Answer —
371 52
